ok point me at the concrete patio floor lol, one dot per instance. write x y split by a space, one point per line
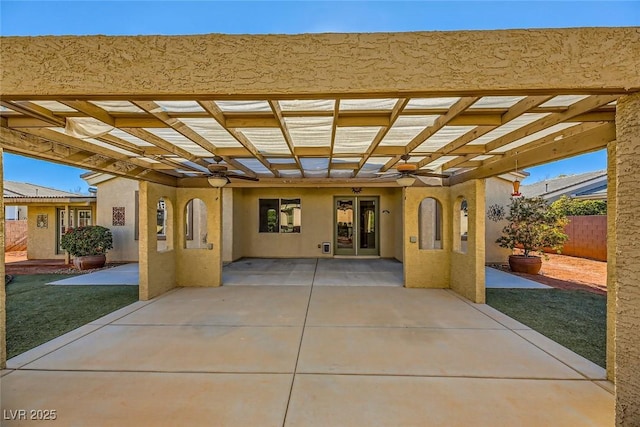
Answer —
307 355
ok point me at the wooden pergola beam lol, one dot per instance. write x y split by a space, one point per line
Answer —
395 113
214 111
583 142
461 105
277 111
515 111
334 130
27 144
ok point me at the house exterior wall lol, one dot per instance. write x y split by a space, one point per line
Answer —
498 192
317 226
42 241
227 225
119 192
238 218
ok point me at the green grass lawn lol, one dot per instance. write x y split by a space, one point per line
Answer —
575 319
37 313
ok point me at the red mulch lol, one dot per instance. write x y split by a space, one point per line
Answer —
566 272
16 263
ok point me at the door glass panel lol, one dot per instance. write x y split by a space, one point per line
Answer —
344 223
367 224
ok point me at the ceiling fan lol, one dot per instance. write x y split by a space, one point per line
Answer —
406 173
219 175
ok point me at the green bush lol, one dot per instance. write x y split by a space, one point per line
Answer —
83 241
533 226
572 207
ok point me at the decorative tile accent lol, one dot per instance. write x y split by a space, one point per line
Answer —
118 216
42 221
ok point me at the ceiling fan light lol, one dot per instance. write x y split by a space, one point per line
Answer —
405 181
217 181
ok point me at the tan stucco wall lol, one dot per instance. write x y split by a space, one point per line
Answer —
426 268
199 267
467 268
41 242
627 267
432 62
119 192
3 297
498 192
398 209
447 267
157 269
227 224
238 218
611 259
317 221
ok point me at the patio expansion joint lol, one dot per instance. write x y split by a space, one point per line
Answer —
484 377
513 331
216 325
155 371
435 328
304 325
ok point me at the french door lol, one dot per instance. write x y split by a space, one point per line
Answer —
356 226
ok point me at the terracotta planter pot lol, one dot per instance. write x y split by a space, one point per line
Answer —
523 264
89 262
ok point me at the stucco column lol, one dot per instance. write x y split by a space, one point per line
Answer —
157 265
3 301
627 261
611 258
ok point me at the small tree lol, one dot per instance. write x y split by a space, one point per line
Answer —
533 226
84 241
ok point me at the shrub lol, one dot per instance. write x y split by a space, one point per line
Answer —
533 226
83 241
572 207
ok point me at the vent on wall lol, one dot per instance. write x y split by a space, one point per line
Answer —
326 247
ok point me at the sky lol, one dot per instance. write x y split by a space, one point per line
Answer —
33 18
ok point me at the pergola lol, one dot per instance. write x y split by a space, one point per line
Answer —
295 140
335 110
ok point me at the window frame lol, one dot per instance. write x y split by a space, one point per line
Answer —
277 202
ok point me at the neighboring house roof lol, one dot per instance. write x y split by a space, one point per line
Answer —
24 192
25 189
580 185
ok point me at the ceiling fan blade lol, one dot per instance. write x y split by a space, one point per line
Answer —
388 173
247 178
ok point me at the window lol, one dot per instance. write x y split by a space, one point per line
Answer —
280 216
84 218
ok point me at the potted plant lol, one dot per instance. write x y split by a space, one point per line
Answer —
88 246
532 227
